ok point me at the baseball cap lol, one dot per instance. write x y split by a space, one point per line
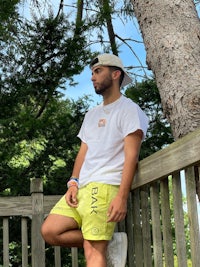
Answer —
113 61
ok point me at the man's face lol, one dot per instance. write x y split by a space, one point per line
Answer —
102 79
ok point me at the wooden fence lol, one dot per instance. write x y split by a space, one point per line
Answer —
157 223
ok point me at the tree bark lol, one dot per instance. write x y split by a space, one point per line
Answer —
171 33
111 33
106 9
79 16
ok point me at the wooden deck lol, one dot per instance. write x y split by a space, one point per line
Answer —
157 217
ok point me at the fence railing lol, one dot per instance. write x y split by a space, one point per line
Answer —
162 222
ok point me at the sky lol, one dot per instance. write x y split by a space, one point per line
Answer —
130 30
84 85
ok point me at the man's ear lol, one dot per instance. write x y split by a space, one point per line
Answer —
116 74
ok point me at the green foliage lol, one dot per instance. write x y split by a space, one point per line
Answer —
37 127
189 262
43 148
37 62
8 14
146 95
26 152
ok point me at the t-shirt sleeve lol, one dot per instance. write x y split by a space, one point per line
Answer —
81 133
134 119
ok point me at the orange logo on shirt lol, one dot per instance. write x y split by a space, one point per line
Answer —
102 123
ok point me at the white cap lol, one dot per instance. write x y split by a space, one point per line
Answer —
113 61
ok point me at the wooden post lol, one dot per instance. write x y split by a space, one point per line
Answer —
37 242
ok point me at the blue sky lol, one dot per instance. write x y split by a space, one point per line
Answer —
130 30
85 87
84 84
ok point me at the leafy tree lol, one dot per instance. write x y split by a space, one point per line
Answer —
8 15
48 153
36 60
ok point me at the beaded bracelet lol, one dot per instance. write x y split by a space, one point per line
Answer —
73 182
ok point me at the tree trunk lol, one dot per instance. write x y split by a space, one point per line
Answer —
111 34
171 33
106 9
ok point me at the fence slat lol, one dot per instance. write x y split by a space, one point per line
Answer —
146 231
57 257
156 227
193 216
137 231
179 220
129 230
5 241
166 222
74 257
24 237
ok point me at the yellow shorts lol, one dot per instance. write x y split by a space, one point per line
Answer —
91 213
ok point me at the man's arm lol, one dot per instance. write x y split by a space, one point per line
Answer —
79 160
71 194
118 207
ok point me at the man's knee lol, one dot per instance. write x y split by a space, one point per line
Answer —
94 249
49 233
46 232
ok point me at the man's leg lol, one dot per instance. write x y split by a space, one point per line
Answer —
95 253
59 230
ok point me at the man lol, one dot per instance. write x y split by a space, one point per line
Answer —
96 199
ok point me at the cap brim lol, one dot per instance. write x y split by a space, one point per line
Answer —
127 79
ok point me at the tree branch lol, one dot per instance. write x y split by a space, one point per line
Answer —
60 8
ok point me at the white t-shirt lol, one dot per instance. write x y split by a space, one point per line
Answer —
103 130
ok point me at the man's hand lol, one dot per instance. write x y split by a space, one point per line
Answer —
117 210
71 197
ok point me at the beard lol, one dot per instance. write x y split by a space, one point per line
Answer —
101 88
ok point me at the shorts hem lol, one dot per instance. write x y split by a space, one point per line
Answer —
95 238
